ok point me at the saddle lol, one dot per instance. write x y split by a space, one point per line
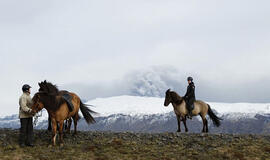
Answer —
68 100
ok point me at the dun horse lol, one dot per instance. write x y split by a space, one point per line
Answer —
58 108
200 108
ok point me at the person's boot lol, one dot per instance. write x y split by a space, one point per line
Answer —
22 145
30 145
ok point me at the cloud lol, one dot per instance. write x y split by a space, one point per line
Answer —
154 81
93 47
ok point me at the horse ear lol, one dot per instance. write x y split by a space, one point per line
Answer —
39 84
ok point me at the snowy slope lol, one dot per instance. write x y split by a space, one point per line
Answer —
131 105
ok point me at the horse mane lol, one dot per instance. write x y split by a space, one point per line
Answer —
49 96
176 98
48 87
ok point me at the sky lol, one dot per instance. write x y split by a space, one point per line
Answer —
95 48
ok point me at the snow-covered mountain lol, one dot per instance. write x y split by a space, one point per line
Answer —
147 114
132 105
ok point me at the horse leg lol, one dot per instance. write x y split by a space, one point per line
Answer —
65 125
203 120
206 125
61 126
69 125
178 122
185 123
75 120
49 123
54 129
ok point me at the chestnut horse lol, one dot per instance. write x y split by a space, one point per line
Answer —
58 109
200 108
52 89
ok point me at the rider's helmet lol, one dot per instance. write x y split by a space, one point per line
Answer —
190 79
26 87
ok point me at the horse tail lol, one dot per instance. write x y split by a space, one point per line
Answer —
87 113
216 120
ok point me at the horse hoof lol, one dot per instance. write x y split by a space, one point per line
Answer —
186 130
178 131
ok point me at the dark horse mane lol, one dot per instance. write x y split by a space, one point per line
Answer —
49 95
176 98
48 87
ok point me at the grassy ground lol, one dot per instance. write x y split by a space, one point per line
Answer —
108 145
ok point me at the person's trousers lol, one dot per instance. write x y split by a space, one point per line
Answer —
26 131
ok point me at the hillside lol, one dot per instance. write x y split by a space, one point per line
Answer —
112 145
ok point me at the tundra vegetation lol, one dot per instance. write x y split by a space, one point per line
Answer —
126 145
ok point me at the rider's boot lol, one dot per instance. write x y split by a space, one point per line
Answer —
190 114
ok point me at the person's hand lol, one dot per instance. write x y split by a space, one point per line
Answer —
32 112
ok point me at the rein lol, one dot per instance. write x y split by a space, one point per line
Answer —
37 115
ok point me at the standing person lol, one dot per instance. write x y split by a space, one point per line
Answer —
26 118
190 96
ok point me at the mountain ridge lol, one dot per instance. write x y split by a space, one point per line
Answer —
147 114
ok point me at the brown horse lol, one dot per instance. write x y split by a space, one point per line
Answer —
52 89
200 108
58 109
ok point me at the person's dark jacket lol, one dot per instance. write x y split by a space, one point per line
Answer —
190 95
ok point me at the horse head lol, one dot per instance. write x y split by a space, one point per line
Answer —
37 103
168 98
172 97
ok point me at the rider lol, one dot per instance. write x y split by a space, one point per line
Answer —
26 118
190 96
